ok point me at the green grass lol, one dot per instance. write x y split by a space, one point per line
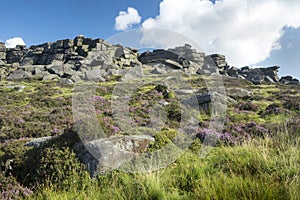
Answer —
258 168
255 170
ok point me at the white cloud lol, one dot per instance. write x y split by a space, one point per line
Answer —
126 19
12 42
246 31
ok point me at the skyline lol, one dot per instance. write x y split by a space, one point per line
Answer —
248 33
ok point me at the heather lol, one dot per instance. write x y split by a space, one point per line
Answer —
256 155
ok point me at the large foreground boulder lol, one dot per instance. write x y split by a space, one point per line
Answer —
103 155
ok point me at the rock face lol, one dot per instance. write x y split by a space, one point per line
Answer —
75 60
289 80
254 75
94 59
180 58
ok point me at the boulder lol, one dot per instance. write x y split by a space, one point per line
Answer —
219 60
50 77
103 155
94 75
204 100
233 72
158 70
19 75
289 80
271 72
2 55
39 74
256 76
65 81
39 142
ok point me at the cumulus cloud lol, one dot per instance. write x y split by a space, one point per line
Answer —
246 31
13 42
125 19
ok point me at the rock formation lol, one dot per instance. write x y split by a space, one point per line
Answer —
69 61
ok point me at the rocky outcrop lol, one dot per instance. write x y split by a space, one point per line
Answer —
289 80
254 75
75 60
180 58
69 61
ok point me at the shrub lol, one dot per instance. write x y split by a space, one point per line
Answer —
174 111
11 189
162 138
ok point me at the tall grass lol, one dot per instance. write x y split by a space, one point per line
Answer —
259 169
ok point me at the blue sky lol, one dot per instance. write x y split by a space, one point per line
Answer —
38 21
248 32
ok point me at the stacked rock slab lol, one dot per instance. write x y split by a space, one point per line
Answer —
254 75
289 80
75 60
2 60
69 61
219 61
182 58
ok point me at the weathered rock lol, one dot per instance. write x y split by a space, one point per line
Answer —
94 75
157 56
203 101
238 93
75 60
2 51
2 47
65 81
75 78
50 77
39 142
158 70
15 54
2 55
19 75
271 72
19 88
173 64
289 80
39 75
133 73
233 72
106 154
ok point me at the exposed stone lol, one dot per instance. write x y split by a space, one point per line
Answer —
95 75
123 148
15 54
75 78
39 142
19 88
50 77
39 75
19 75
203 101
158 70
76 60
238 93
65 81
2 47
289 80
133 73
233 72
173 64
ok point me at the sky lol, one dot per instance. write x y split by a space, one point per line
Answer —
248 32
